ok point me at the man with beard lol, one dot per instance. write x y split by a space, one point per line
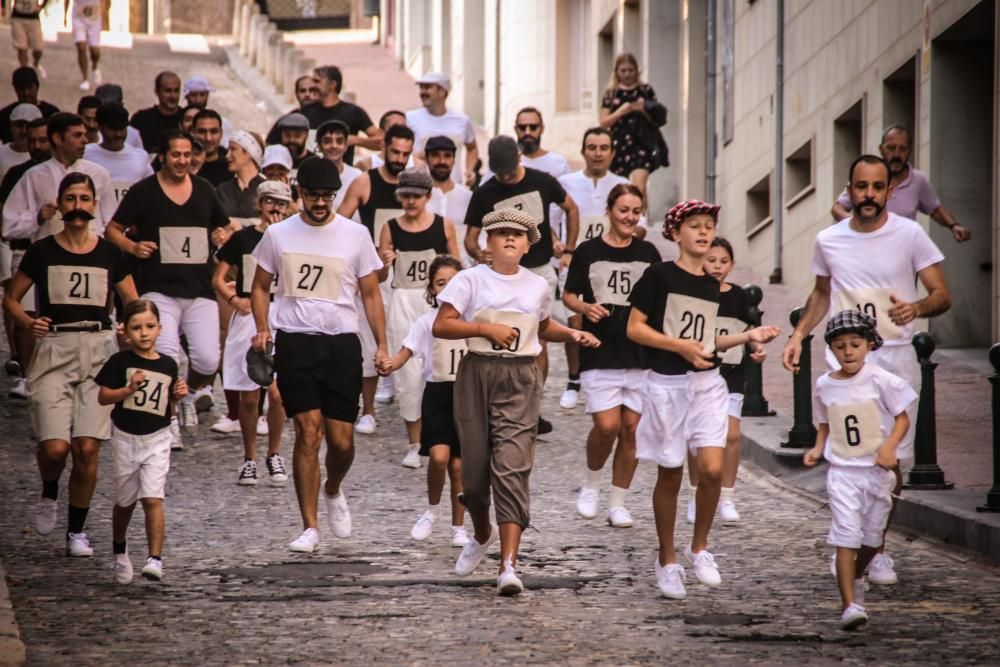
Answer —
329 106
164 116
325 266
872 261
375 160
373 196
126 164
25 83
910 191
208 128
196 91
306 92
86 109
331 140
294 129
435 119
448 199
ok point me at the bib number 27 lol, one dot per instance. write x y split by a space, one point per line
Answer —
309 275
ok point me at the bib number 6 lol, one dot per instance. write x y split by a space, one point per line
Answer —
851 431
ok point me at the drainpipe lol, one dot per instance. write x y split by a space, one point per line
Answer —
710 83
496 74
779 135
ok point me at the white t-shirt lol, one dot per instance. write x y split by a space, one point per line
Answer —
11 158
522 300
452 124
860 411
318 270
451 205
440 357
866 268
591 199
126 167
347 177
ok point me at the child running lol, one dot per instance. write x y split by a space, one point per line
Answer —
674 311
503 309
143 386
860 412
438 437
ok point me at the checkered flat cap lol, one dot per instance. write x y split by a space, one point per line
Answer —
675 216
852 321
512 218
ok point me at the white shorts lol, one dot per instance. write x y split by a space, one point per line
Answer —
901 361
736 405
6 257
681 413
234 359
198 320
608 388
368 346
860 501
87 30
140 464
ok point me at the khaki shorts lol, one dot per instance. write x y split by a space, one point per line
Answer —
26 34
61 387
141 464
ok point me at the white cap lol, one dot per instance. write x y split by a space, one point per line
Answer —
25 112
276 154
435 79
246 141
197 84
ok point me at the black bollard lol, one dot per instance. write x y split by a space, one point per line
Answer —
993 495
754 403
803 433
926 473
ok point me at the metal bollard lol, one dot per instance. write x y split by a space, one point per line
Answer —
803 433
926 473
993 495
754 403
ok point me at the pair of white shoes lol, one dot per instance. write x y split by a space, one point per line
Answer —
338 518
508 583
670 577
726 511
586 506
425 525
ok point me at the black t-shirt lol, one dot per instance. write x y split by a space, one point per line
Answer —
352 115
238 252
533 194
217 171
734 318
239 203
600 273
147 410
73 287
680 304
152 123
46 109
181 267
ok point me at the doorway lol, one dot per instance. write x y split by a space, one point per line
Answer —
899 102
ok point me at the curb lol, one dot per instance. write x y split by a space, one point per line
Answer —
12 649
256 82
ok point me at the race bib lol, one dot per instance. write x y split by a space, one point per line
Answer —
855 429
382 216
529 202
78 285
524 345
726 326
153 394
410 268
874 302
592 226
183 245
611 282
120 188
447 355
691 319
311 276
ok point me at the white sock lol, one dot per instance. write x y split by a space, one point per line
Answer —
434 509
616 497
414 445
594 478
727 493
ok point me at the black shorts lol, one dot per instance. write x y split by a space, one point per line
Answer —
437 418
319 372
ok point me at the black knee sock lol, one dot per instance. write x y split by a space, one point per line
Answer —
50 490
77 517
119 547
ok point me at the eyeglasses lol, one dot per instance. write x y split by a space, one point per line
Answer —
527 127
325 196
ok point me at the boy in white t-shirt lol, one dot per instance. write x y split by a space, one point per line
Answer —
861 418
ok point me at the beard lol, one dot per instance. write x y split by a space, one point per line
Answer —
529 145
441 173
395 168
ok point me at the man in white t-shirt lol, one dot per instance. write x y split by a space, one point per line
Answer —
16 151
448 199
872 261
323 261
435 119
125 164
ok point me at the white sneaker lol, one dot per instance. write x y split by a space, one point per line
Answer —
727 512
619 517
122 569
96 75
153 569
366 425
853 617
412 458
882 570
508 582
586 503
383 393
424 525
305 543
473 552
248 474
262 426
276 469
226 425
84 85
459 536
704 567
45 516
78 545
19 390
42 74
670 579
569 399
176 442
691 511
203 399
337 514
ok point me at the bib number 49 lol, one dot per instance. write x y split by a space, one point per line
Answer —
417 271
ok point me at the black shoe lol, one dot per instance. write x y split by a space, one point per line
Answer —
544 426
13 368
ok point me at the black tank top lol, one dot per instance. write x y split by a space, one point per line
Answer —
415 251
381 206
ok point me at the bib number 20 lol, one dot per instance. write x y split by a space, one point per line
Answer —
694 326
513 347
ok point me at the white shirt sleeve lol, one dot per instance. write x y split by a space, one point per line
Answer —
819 407
20 210
924 252
416 339
896 394
819 266
264 253
469 134
107 204
458 291
367 260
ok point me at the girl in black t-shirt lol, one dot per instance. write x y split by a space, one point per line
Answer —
75 272
674 312
600 279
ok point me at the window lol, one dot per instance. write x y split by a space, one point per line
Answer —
759 205
799 174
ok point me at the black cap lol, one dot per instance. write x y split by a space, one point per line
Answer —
503 154
112 115
318 173
24 76
439 144
109 93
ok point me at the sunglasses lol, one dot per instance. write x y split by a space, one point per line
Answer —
527 127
